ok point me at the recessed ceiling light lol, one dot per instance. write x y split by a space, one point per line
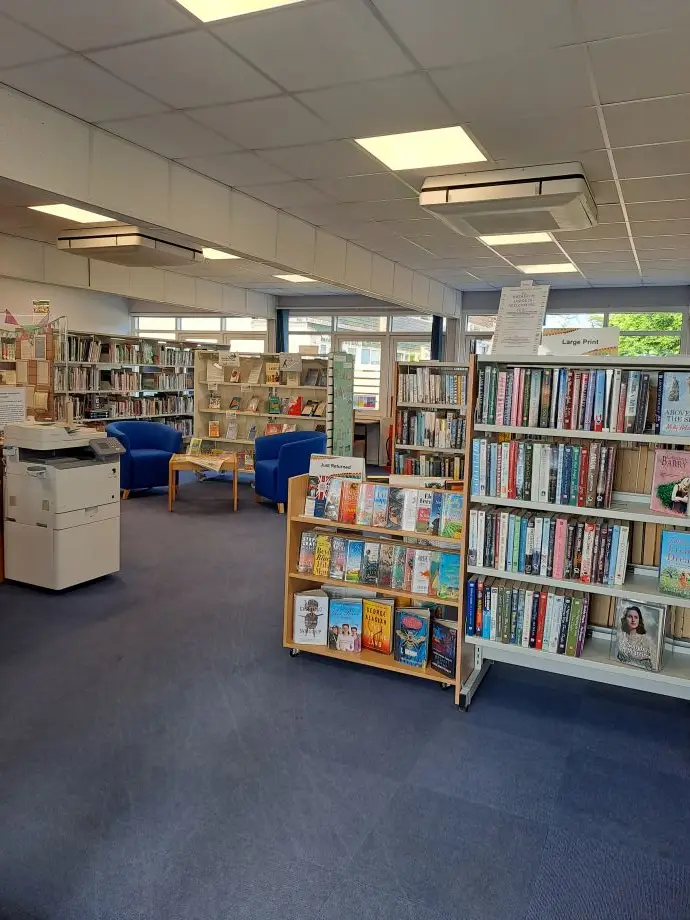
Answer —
557 268
296 279
516 239
69 213
217 254
212 10
423 149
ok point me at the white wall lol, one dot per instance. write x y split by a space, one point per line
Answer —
89 311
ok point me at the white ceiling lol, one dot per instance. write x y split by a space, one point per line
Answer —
270 103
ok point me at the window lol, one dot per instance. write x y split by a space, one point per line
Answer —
648 333
361 323
415 322
155 323
305 344
412 351
167 336
579 320
310 323
367 356
247 346
245 324
205 340
200 323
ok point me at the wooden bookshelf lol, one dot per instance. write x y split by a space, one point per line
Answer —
419 386
298 523
632 483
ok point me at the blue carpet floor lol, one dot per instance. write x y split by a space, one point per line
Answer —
162 758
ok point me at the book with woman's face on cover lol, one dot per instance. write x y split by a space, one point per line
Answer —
671 483
639 631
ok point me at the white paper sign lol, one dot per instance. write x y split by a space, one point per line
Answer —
12 405
290 362
580 341
520 320
230 358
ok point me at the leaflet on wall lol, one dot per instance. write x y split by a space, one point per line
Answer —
12 405
520 320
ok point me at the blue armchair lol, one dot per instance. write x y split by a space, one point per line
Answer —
280 456
149 447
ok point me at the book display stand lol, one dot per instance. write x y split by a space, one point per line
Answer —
569 447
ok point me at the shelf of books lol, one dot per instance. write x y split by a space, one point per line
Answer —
240 397
430 416
578 529
372 571
26 361
106 378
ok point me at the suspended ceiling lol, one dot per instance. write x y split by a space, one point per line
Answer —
270 103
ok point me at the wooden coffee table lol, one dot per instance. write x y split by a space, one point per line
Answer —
225 464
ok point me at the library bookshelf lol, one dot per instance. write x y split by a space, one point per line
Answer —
295 581
632 476
429 415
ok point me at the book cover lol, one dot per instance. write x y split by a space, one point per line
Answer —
409 515
322 468
426 499
310 619
254 373
271 428
409 568
345 624
214 429
307 548
396 498
386 565
253 404
435 513
380 508
272 372
377 625
411 640
398 573
292 378
353 563
338 556
365 503
335 490
274 405
348 501
444 644
214 401
638 637
295 406
251 434
370 563
421 571
235 403
674 567
449 576
671 483
322 555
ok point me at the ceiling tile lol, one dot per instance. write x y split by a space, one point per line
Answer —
276 122
596 165
545 139
445 32
659 210
605 192
660 227
586 260
662 188
171 134
664 244
286 194
323 161
653 160
22 46
211 73
608 20
80 88
236 169
531 253
600 232
619 245
311 46
389 106
621 78
416 177
654 121
610 214
78 25
531 84
376 187
393 209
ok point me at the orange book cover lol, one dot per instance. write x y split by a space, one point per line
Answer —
377 625
348 501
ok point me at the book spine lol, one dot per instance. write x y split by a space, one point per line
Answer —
505 467
481 535
575 475
522 544
584 393
582 631
622 557
482 466
631 403
546 384
575 408
471 606
566 474
541 616
559 472
591 396
559 548
615 399
555 388
535 393
579 539
472 538
569 550
479 608
568 408
606 568
536 544
613 554
573 626
520 616
501 397
602 474
493 618
565 620
552 548
505 614
599 395
592 474
622 402
659 399
582 480
545 540
607 399
514 607
595 553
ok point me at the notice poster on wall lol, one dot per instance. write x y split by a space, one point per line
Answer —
12 406
575 341
520 320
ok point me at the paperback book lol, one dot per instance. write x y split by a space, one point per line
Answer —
638 636
310 621
674 417
411 640
674 567
345 625
671 483
377 625
444 644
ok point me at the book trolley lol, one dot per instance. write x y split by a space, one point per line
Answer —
630 506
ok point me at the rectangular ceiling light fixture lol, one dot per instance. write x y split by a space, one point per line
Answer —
213 10
217 254
516 239
424 149
557 268
79 215
296 279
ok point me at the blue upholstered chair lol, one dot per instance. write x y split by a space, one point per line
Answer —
149 448
280 456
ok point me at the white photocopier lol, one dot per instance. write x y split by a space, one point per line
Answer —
62 504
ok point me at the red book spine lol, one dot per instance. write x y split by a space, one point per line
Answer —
567 416
512 469
582 481
541 617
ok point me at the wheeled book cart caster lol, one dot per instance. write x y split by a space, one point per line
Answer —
294 652
446 686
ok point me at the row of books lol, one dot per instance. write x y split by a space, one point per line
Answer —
351 624
421 511
569 399
184 425
531 616
93 350
119 407
397 566
272 376
422 428
7 350
431 385
579 549
162 381
538 471
422 465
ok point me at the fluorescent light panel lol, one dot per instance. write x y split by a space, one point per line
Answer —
424 149
69 213
557 268
217 254
296 279
213 10
516 239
